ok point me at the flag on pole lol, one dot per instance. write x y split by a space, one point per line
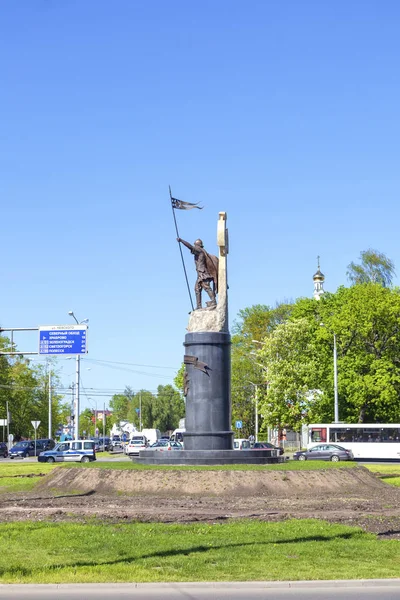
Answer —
181 205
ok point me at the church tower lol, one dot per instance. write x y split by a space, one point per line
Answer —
319 279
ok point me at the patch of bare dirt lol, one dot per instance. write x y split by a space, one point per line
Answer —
349 496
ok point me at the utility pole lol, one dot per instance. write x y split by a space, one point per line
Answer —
140 410
104 425
8 425
77 378
50 415
335 380
72 421
256 409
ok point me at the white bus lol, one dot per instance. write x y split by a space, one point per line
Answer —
369 441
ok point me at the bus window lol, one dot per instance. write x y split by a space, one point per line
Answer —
318 435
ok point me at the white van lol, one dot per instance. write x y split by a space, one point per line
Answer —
241 444
70 451
152 435
177 435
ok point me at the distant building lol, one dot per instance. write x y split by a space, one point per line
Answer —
319 279
98 415
123 427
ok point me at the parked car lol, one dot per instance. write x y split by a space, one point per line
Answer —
104 444
166 445
266 446
3 450
70 451
135 446
116 441
46 443
26 448
331 452
96 444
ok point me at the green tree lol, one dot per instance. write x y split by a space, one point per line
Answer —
257 321
120 404
290 356
86 423
366 321
25 388
144 401
168 408
179 378
299 358
246 376
375 267
254 325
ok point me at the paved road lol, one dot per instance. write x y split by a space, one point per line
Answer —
331 590
121 456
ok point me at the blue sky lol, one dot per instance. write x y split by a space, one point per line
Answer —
283 114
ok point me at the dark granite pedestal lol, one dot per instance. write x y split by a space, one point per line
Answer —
208 439
208 457
208 407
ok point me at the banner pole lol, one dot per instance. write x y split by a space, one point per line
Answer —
180 249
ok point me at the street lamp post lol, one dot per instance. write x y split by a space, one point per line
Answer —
255 409
335 379
77 380
50 415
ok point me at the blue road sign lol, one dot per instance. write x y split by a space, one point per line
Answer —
239 424
63 339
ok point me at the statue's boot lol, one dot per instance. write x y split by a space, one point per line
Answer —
211 294
198 300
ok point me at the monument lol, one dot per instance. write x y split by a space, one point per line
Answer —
208 438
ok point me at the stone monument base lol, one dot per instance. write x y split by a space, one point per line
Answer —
208 457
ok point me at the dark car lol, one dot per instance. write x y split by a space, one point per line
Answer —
24 449
266 446
96 444
46 443
3 450
331 452
104 444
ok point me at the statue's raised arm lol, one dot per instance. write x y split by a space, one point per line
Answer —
207 272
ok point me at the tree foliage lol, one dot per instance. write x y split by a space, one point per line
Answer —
161 410
375 267
179 378
25 387
298 358
248 375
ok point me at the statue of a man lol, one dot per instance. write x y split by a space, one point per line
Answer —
207 272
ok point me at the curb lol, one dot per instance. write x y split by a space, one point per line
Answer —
321 583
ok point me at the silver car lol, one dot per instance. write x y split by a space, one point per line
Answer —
331 452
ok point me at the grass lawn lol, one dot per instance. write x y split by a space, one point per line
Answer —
233 551
150 552
21 476
388 473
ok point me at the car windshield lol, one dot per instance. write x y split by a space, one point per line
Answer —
21 445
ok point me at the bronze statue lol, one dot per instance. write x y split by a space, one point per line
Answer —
207 272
